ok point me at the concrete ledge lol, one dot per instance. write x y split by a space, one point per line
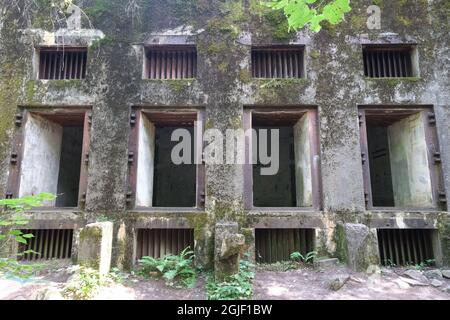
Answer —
296 220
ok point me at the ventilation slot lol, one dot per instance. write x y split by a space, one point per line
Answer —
179 63
387 63
160 242
273 245
62 64
49 243
405 247
277 63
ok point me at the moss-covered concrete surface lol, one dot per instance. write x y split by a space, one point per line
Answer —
224 32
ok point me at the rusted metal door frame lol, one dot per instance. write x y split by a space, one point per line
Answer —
434 159
85 159
365 158
15 164
433 153
312 112
133 153
13 185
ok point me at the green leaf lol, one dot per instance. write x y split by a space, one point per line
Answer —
30 251
21 240
15 232
28 235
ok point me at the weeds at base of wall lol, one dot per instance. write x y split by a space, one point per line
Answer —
85 283
235 287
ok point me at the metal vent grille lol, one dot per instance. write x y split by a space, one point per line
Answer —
273 245
62 64
277 63
403 247
160 242
172 63
49 243
387 63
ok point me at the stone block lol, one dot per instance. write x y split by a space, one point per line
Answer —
326 263
95 246
229 245
357 245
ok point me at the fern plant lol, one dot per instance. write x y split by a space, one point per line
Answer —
308 258
176 270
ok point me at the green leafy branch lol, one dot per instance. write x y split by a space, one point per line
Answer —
311 13
11 220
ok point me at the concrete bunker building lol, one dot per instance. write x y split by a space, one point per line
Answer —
87 111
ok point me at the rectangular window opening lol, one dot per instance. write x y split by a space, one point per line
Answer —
390 61
171 62
52 155
158 243
291 185
278 62
47 244
62 63
403 247
276 245
398 160
161 180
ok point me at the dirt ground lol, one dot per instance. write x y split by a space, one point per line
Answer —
301 284
309 284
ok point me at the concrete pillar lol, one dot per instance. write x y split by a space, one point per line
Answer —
95 246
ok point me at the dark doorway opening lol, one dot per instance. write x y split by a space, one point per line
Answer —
174 185
380 167
69 168
278 190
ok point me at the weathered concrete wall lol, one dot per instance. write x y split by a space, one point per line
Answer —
42 154
302 148
146 159
224 32
409 163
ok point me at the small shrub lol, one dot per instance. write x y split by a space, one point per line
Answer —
236 287
425 264
84 284
176 270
